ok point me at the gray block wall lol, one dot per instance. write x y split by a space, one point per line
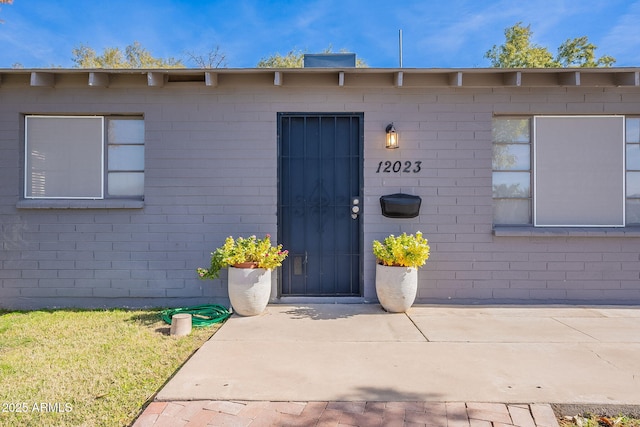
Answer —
211 172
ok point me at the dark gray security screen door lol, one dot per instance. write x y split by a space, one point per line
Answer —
319 190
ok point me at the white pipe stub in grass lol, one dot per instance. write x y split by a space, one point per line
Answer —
180 324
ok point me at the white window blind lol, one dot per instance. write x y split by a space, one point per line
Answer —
579 165
64 157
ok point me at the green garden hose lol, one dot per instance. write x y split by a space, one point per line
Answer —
201 315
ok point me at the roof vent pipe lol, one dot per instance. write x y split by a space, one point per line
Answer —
400 46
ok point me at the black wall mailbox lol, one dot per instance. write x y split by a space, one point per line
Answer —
400 205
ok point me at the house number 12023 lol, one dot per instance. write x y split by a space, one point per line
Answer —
398 166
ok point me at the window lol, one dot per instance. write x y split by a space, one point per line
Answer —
84 157
125 141
633 169
512 171
566 171
579 171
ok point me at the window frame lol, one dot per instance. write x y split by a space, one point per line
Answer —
529 144
632 170
107 170
29 158
521 228
538 219
82 201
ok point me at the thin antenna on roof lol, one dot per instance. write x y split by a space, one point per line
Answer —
400 46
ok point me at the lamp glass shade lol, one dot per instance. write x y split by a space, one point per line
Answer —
392 138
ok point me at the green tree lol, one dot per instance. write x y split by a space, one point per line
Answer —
295 59
580 53
134 56
519 52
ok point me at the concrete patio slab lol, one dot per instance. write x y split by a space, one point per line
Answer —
360 353
335 323
609 329
540 311
617 311
625 357
402 372
497 329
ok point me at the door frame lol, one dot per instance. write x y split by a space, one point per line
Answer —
360 116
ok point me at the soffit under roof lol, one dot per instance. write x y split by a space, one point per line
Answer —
326 77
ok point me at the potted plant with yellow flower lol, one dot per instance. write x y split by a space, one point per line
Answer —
250 261
397 269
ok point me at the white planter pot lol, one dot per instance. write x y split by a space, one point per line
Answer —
396 287
249 290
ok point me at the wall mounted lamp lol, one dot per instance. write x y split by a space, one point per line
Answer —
392 137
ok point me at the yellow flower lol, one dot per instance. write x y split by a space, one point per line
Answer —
404 250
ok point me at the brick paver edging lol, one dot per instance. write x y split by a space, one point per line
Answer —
365 414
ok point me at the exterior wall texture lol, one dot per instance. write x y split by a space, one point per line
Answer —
211 171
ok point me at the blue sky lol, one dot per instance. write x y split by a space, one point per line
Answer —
436 33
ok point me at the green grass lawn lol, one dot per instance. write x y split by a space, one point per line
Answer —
85 367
